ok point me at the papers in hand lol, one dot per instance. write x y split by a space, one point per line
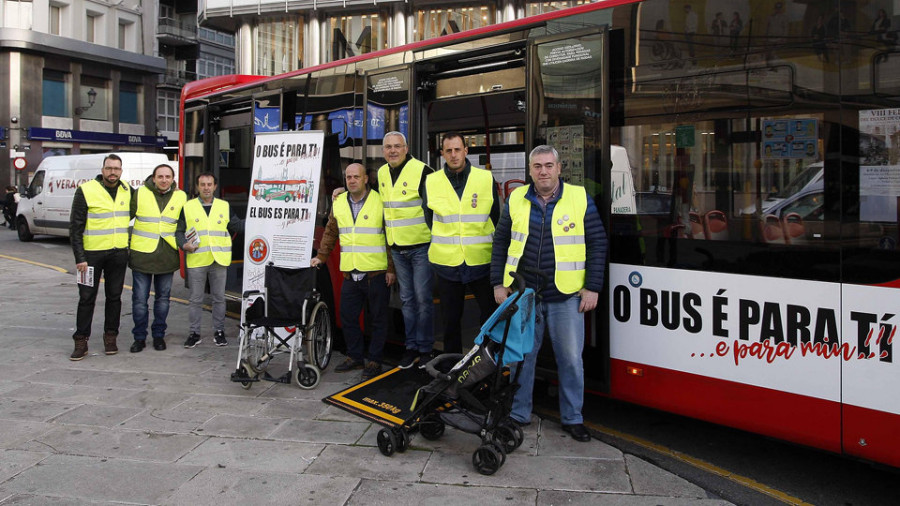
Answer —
85 277
191 237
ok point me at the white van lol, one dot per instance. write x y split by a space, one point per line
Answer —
47 202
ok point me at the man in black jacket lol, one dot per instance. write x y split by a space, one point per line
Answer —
98 230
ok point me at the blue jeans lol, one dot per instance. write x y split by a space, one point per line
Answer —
140 293
566 328
415 277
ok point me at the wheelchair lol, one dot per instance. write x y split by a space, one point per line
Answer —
288 304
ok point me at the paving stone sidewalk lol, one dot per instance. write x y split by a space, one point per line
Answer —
170 427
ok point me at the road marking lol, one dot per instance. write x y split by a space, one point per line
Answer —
692 461
64 271
46 266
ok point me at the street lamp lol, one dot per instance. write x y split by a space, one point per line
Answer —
92 97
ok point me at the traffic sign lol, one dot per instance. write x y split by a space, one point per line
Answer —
20 163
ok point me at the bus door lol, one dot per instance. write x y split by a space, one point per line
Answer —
386 110
481 95
568 108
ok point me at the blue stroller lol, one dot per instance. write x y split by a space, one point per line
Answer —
472 392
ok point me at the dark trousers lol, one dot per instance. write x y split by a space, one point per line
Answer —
453 297
354 295
111 264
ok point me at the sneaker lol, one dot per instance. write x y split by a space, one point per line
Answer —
192 340
219 338
409 358
159 343
424 358
349 364
372 369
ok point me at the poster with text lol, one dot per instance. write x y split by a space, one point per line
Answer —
282 205
879 164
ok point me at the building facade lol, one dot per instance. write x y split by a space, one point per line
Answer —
76 76
190 53
275 36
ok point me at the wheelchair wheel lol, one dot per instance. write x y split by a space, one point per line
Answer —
250 373
255 349
432 428
488 458
319 339
306 376
387 442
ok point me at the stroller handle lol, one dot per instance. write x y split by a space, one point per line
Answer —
519 280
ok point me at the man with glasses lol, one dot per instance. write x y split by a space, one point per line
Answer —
98 230
401 183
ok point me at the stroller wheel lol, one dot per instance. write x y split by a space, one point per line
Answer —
432 428
507 438
387 442
402 438
306 376
488 458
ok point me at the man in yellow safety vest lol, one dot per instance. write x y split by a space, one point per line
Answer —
204 232
552 227
462 209
357 220
155 208
98 230
401 182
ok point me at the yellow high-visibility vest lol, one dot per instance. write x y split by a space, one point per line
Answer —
404 219
567 229
462 230
212 230
107 220
150 224
362 241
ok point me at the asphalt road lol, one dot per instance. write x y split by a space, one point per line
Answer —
776 472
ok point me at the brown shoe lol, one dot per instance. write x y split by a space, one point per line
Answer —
109 343
80 349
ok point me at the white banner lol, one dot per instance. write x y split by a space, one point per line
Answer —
824 340
281 213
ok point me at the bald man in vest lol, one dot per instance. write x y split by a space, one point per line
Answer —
155 207
553 227
98 230
357 220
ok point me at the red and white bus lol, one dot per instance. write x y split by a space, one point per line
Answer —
729 297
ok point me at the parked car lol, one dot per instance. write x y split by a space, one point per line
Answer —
801 182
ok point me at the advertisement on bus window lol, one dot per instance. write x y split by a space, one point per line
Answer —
879 164
282 204
788 335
